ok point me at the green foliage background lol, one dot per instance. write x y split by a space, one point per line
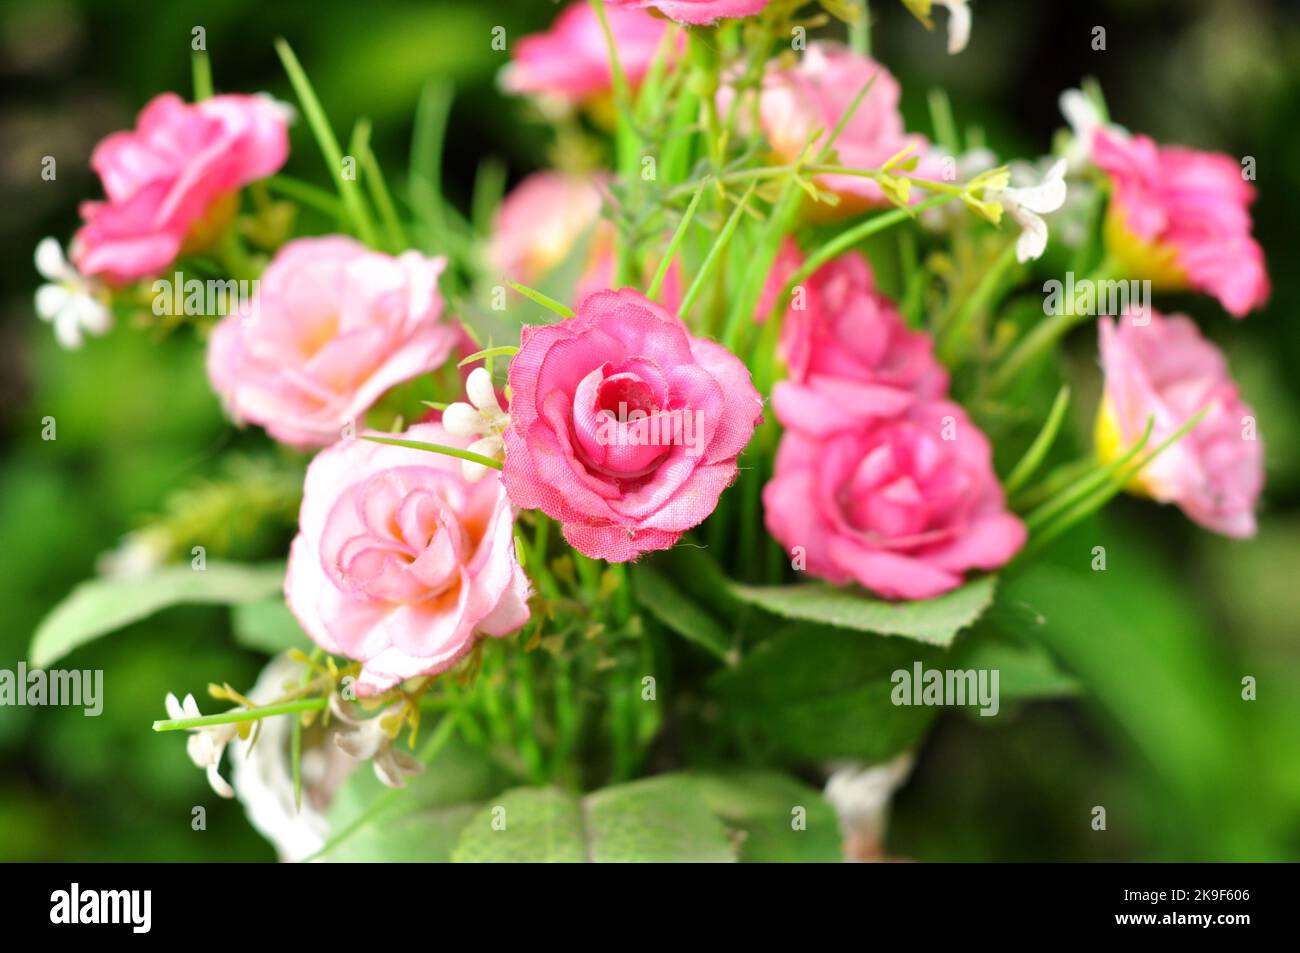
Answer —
1185 769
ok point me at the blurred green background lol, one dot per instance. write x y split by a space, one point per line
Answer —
1165 635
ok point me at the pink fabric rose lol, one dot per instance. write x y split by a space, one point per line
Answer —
623 426
1161 367
1179 218
849 354
399 562
172 172
902 505
334 327
541 221
571 59
696 12
814 94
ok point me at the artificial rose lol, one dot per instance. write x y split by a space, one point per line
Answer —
334 327
623 426
571 59
1179 218
399 562
170 179
849 354
903 505
1161 368
541 221
695 12
813 94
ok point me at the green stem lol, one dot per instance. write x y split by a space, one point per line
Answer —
953 334
201 70
1045 334
715 252
550 304
456 452
239 715
675 242
348 189
850 237
1037 451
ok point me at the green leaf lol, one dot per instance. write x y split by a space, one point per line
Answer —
663 600
935 621
268 626
1026 671
814 693
100 606
660 819
780 820
423 821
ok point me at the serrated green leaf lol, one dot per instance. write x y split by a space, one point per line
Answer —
1026 671
779 818
100 606
659 819
814 693
935 621
667 603
424 820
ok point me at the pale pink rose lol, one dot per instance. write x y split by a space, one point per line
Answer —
849 354
1179 218
1164 369
335 325
696 12
813 94
686 404
399 562
571 59
167 176
540 223
902 505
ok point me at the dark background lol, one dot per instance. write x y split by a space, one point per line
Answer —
137 420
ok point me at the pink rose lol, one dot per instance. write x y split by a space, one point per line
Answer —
571 59
1162 367
902 505
541 221
1179 218
813 94
334 327
623 426
849 354
696 12
167 177
399 562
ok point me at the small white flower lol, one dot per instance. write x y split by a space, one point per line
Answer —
1027 204
959 21
367 739
205 745
482 417
860 795
262 773
71 302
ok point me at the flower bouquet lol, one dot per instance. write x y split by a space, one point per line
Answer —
653 508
